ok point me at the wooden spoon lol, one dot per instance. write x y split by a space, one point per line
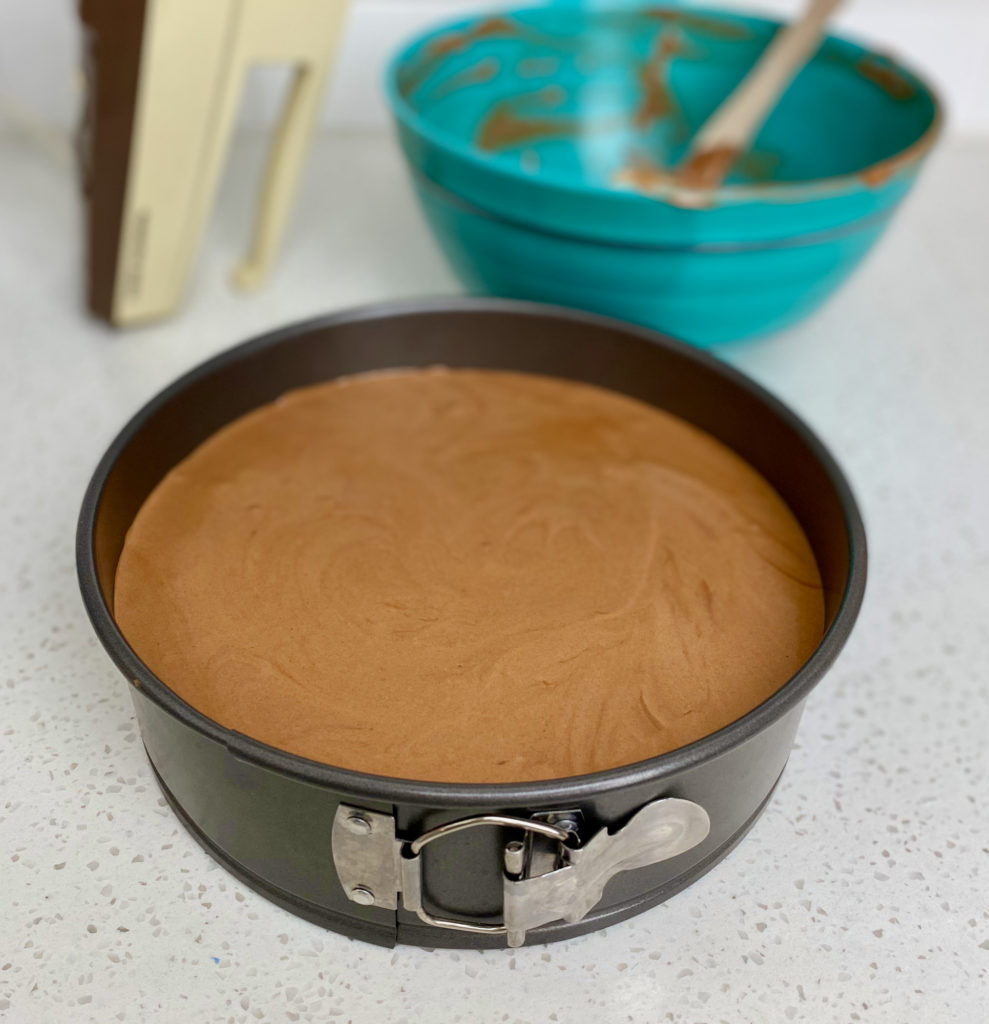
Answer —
729 131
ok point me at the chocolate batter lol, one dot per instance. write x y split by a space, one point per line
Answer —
468 576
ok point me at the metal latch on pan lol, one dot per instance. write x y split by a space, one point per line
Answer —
550 875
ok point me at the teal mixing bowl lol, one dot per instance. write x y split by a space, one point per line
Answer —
542 144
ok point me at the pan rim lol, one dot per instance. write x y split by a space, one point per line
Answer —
389 789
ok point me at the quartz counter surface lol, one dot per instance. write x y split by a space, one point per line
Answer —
861 895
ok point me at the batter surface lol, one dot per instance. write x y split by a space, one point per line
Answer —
468 576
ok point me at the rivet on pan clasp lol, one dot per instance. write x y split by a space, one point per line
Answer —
359 824
362 895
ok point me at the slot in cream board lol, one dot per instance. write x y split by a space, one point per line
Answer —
194 64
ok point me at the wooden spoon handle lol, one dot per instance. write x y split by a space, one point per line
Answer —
730 130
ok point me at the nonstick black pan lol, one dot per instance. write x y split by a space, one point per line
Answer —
519 863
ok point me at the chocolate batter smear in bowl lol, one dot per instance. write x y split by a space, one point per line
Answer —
468 576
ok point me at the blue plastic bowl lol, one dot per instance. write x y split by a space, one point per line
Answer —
541 143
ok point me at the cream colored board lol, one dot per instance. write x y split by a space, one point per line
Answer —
194 64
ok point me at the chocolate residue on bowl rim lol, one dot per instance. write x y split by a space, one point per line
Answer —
537 67
482 72
455 42
460 40
699 23
658 100
892 81
507 127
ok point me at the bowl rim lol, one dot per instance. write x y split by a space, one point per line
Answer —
460 794
873 175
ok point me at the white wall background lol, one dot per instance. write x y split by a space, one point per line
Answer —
40 80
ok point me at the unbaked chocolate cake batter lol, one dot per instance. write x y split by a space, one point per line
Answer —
468 576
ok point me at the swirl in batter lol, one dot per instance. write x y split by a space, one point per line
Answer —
468 576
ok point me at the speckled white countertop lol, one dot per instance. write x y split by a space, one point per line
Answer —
861 895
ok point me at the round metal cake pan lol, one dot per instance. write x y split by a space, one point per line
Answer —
272 818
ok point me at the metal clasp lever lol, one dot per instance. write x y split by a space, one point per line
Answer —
374 866
412 865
